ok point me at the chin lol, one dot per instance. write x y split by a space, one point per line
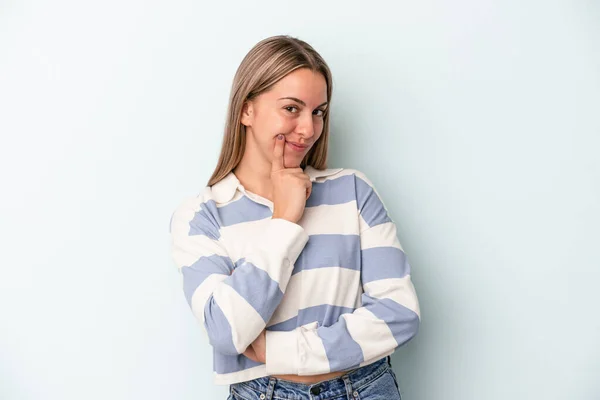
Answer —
291 164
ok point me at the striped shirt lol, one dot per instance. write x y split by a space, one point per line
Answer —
333 290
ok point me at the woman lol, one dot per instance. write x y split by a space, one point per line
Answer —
294 270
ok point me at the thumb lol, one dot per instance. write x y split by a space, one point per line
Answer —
308 192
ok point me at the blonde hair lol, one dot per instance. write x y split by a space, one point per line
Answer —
266 63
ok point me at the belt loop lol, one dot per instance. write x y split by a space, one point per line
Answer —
389 360
348 384
271 388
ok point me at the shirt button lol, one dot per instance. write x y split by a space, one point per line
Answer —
286 262
315 390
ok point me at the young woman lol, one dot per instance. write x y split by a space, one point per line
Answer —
293 269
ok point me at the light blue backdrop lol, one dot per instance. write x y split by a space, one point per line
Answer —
478 122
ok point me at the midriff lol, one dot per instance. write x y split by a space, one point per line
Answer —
308 379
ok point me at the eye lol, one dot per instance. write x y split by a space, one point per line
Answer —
288 108
322 112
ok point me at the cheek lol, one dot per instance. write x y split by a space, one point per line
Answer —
283 125
274 124
318 128
319 123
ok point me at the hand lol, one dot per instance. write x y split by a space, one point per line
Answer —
291 186
257 351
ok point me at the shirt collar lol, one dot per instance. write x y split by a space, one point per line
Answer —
225 189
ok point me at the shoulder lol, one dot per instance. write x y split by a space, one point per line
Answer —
363 186
357 176
321 175
345 182
195 202
360 176
188 207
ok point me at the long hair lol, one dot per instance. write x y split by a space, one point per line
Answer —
266 63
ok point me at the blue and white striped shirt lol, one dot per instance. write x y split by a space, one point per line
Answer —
333 291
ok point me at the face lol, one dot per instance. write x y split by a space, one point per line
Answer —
294 107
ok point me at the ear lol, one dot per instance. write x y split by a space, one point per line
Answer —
247 113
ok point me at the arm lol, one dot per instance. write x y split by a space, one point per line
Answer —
232 307
388 317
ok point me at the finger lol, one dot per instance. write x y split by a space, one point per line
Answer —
296 171
278 153
250 353
308 189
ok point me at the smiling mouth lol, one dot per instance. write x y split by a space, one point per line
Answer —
296 147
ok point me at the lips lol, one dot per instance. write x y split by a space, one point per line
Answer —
297 146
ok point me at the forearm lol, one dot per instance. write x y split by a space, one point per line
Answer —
234 309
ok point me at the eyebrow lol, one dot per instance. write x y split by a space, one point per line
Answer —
300 101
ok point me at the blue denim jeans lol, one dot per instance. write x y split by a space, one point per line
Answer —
375 381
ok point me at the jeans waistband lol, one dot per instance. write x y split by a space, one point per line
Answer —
344 384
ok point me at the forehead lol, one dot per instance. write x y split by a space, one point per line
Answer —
306 85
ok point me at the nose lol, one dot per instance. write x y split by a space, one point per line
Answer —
306 126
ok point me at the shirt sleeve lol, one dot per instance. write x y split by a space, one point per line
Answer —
388 317
233 307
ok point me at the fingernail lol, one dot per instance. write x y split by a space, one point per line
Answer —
280 136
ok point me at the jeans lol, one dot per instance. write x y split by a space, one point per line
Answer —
375 381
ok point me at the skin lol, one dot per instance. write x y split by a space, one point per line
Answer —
267 115
299 120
